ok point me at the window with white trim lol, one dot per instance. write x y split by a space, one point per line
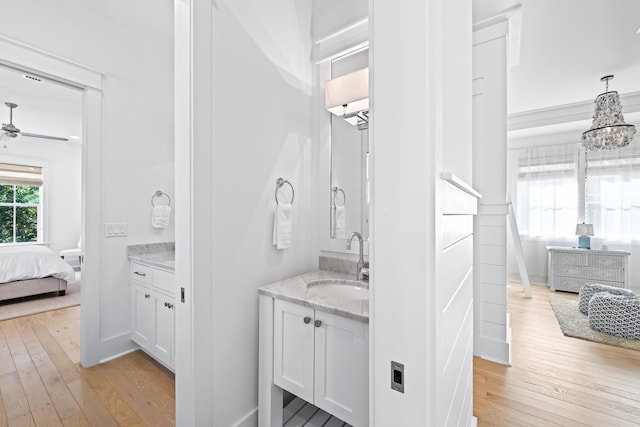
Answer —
552 194
20 203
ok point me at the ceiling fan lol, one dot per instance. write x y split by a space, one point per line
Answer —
11 131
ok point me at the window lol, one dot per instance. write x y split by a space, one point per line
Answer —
613 194
546 192
552 194
20 203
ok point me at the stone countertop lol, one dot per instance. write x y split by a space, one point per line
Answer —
294 289
161 255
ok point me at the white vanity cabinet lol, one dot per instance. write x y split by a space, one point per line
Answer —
153 314
322 358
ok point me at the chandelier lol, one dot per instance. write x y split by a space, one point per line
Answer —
608 131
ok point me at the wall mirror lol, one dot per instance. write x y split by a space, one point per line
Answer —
349 183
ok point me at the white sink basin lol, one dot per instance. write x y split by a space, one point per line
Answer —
344 289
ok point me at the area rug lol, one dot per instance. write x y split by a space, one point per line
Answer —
39 303
575 324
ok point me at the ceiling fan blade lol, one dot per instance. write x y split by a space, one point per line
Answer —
35 135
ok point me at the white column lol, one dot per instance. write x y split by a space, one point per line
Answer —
491 322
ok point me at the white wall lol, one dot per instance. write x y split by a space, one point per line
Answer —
421 103
131 44
62 162
259 121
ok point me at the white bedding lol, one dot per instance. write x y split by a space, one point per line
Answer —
32 262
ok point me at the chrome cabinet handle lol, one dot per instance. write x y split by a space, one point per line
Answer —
318 323
307 319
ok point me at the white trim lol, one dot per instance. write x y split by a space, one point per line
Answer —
354 26
184 361
37 61
352 37
457 182
513 17
559 114
28 58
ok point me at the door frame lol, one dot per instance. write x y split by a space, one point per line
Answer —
23 57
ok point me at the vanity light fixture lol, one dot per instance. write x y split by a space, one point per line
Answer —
348 97
608 131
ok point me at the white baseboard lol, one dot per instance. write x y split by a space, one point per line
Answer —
249 420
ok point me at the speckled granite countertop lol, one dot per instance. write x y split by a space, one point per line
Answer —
294 289
161 255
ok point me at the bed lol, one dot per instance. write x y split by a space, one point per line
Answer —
31 270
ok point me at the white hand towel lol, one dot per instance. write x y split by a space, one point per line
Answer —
160 216
340 229
282 230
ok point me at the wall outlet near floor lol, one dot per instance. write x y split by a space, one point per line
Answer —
115 229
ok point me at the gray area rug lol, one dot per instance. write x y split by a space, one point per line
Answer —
26 306
575 324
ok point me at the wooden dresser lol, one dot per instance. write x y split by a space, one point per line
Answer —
570 268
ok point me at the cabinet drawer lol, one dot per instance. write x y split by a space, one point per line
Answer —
573 284
164 281
595 274
606 261
140 273
570 258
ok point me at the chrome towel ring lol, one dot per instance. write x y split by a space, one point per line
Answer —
279 183
157 194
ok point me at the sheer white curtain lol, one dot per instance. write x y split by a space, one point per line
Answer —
545 191
613 194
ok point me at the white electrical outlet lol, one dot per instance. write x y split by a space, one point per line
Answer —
115 229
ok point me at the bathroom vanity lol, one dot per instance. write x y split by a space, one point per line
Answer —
152 281
314 343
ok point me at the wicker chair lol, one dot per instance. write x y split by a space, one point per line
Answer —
617 315
590 289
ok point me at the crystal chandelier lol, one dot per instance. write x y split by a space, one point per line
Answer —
608 131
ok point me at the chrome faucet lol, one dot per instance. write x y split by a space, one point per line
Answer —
363 270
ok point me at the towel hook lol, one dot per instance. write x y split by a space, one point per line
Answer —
279 183
159 193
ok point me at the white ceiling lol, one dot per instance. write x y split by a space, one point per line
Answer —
566 46
44 107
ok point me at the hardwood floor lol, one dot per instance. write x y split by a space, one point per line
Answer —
555 380
43 384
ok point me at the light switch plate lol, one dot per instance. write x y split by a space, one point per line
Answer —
115 229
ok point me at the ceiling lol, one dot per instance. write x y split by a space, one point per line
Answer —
566 46
44 107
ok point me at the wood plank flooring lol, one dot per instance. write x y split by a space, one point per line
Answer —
555 380
43 384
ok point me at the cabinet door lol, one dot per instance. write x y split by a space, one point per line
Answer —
142 315
342 368
293 343
164 331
